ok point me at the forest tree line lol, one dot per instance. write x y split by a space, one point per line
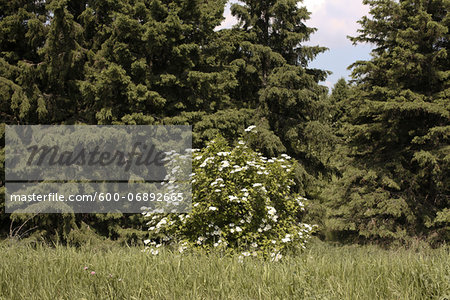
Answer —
374 153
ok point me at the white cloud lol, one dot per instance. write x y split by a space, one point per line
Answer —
335 20
313 5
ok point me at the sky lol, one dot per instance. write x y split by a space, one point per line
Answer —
334 20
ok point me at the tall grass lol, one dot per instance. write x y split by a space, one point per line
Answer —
321 272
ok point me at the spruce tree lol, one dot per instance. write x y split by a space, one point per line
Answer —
339 100
399 127
273 57
152 60
270 85
107 62
22 33
162 62
22 101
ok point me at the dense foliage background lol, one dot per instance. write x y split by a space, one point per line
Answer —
373 156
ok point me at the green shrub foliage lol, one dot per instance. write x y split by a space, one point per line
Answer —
242 202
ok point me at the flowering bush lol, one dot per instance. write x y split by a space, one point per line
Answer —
242 202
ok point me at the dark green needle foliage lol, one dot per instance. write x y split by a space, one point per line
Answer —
273 61
163 62
398 127
106 62
270 86
381 140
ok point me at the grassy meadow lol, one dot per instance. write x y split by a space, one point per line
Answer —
321 272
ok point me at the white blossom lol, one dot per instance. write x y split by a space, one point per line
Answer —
232 198
250 128
224 164
162 222
286 239
267 227
271 210
200 240
276 256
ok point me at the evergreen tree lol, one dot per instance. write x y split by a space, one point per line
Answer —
341 106
272 57
107 62
162 62
339 100
271 86
22 33
399 126
152 60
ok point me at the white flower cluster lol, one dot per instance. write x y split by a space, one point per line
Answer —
237 168
286 239
152 247
206 161
182 247
276 256
250 128
272 213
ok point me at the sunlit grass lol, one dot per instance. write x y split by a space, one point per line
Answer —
321 272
